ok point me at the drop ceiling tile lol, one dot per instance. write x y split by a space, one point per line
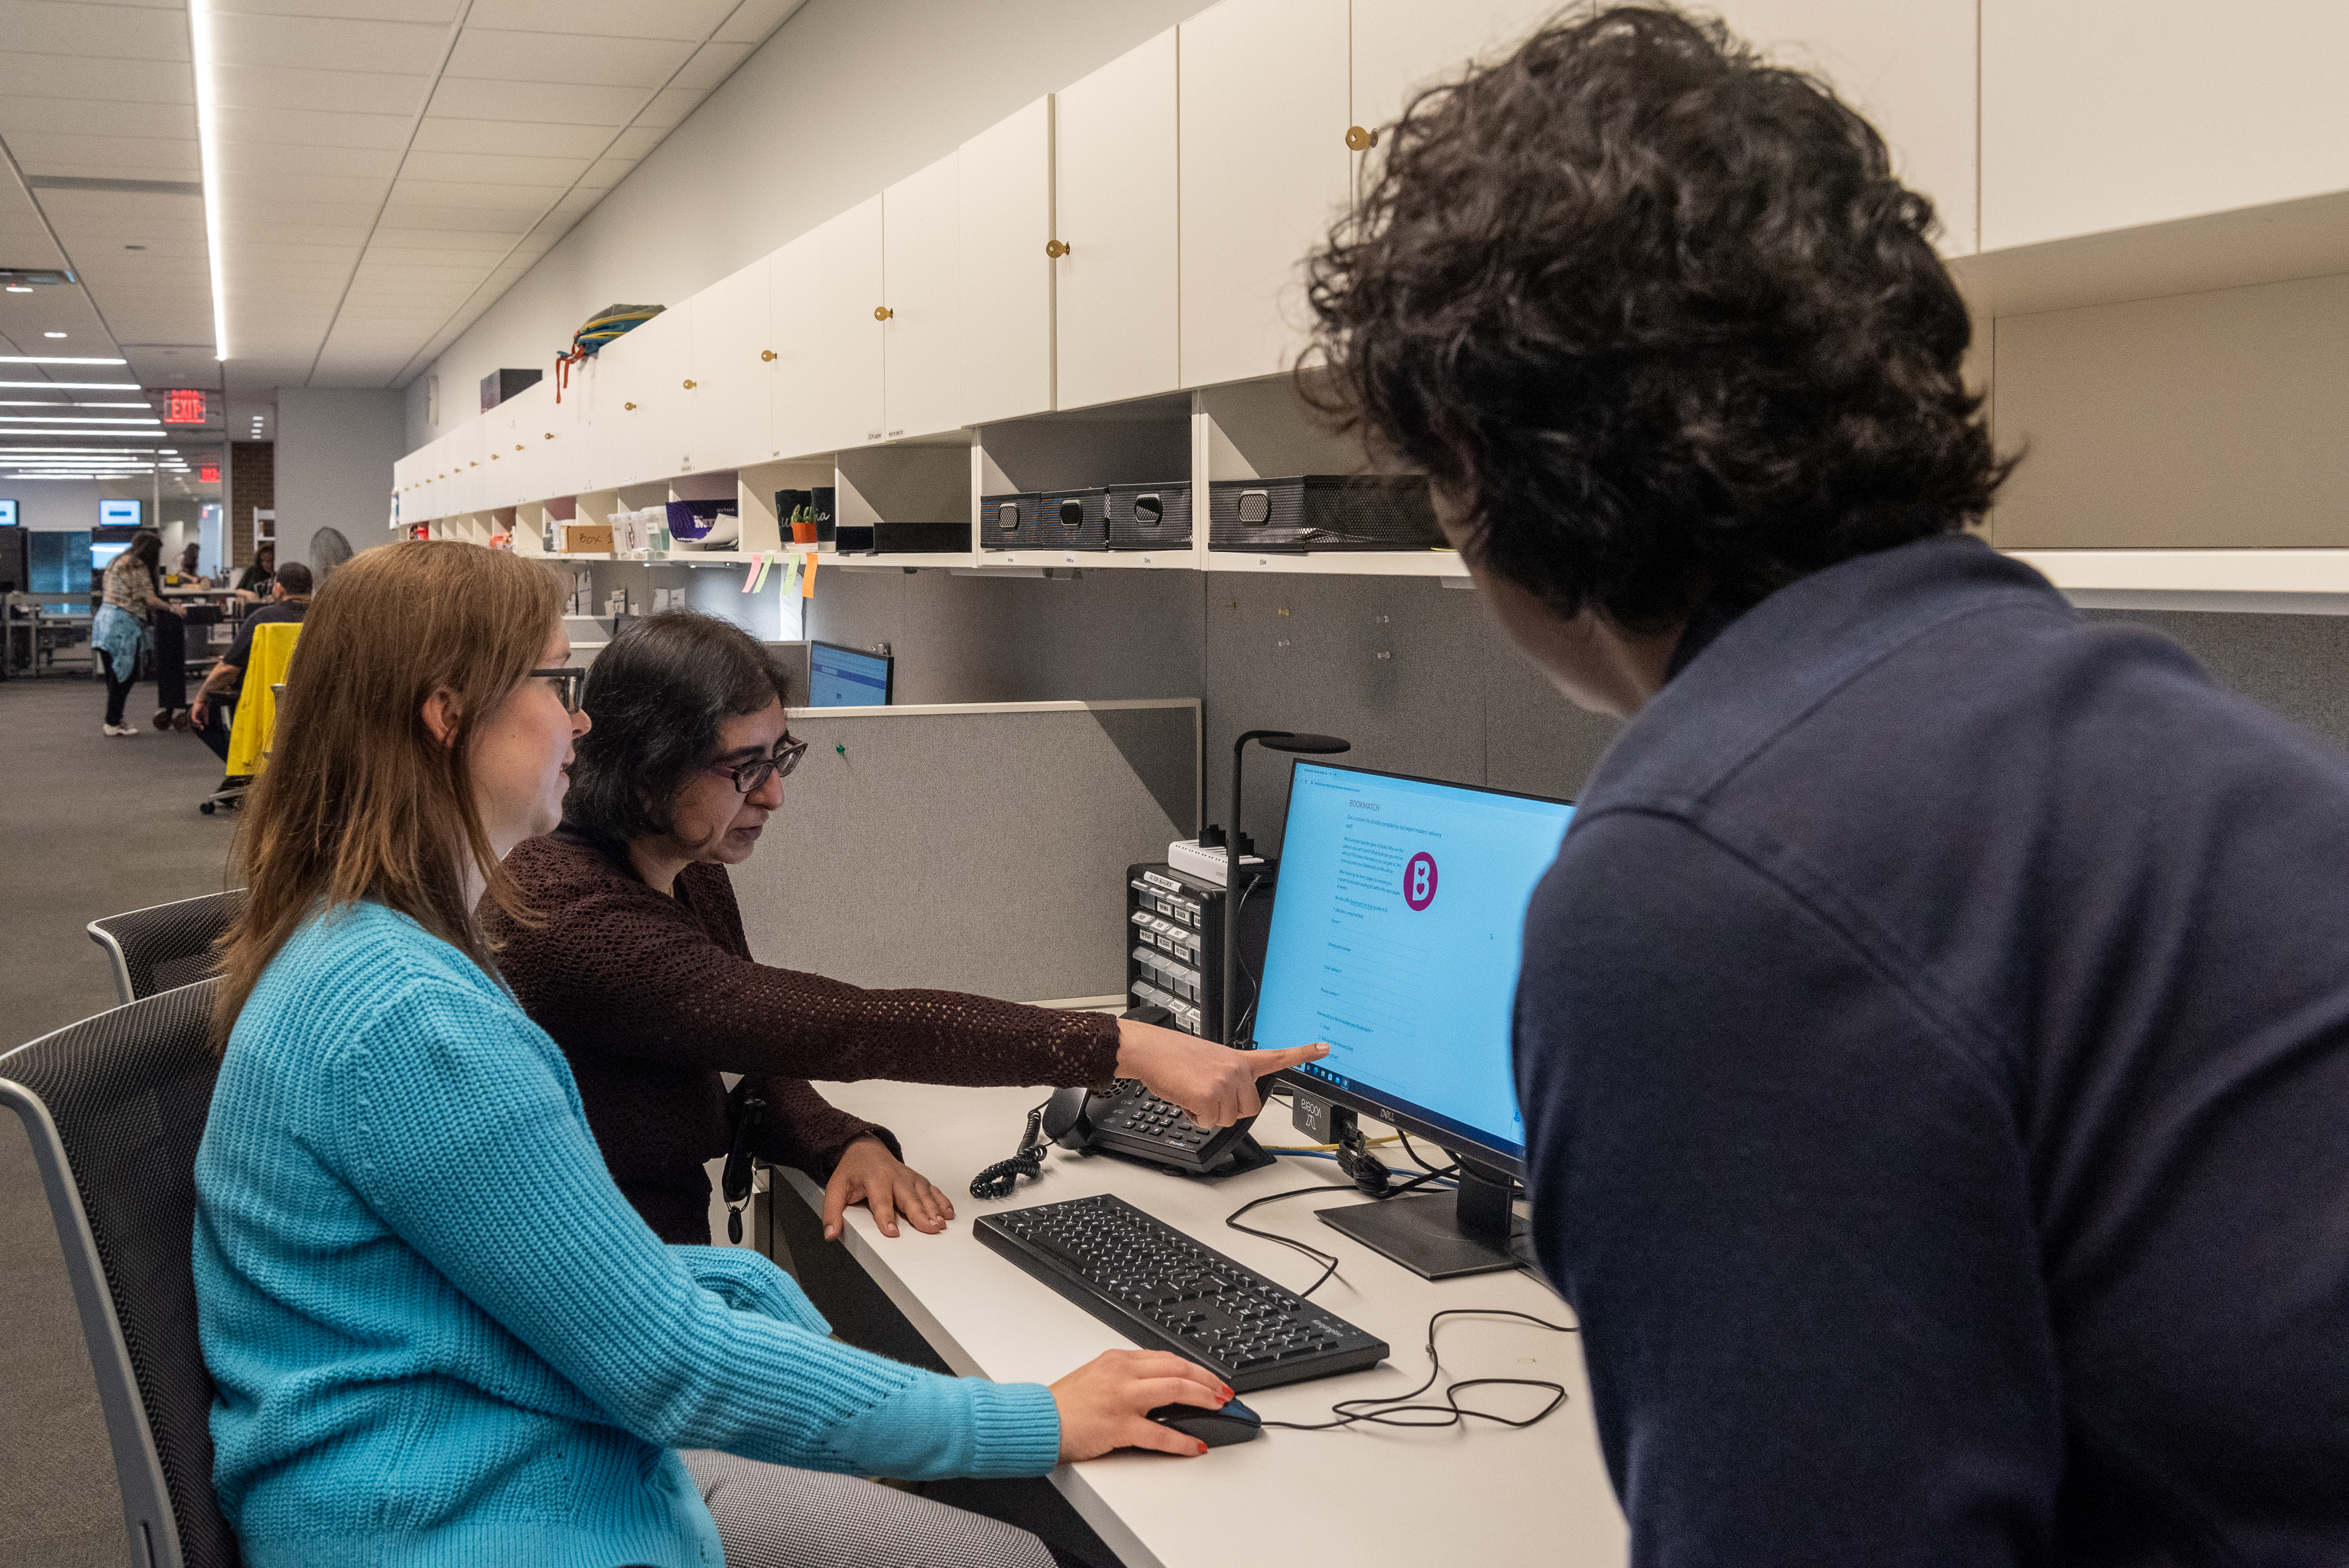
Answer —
393 236
469 98
511 138
606 173
357 92
503 169
294 233
410 193
301 194
442 11
114 33
711 64
509 221
637 140
97 171
254 220
96 117
668 110
103 212
576 203
754 20
314 128
312 42
295 158
567 61
690 20
88 77
44 153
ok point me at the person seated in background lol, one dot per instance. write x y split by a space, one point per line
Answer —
437 1331
253 583
211 713
1933 1036
637 965
190 558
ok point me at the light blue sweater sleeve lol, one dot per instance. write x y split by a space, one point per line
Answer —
460 1124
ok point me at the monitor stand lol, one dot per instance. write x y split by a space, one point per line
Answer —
1443 1235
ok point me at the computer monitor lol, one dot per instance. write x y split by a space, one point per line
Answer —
120 513
847 677
1396 937
101 556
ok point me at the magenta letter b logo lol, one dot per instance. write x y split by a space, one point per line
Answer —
1419 881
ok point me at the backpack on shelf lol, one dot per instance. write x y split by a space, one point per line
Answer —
602 327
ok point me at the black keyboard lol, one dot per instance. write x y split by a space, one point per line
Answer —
1165 1292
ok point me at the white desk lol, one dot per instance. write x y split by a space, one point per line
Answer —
1482 1494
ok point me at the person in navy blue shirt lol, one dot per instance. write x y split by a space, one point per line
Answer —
1933 1035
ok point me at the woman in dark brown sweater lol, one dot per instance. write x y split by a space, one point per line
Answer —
641 973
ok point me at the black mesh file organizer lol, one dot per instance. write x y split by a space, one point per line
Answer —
1148 516
1322 512
1007 522
1072 520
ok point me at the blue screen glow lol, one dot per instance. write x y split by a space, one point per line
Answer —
841 678
1397 931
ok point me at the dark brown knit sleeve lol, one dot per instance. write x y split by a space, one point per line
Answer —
804 1130
634 973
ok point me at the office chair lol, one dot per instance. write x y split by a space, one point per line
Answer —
114 1107
254 724
165 946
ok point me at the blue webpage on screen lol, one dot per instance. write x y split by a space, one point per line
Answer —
1397 933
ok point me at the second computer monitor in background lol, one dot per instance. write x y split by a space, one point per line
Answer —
1396 937
847 677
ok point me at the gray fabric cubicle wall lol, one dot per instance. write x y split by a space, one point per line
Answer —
979 848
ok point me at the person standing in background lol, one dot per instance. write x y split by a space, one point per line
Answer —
117 634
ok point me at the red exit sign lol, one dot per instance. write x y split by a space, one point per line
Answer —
208 474
184 408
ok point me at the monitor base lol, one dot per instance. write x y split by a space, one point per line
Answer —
1423 1235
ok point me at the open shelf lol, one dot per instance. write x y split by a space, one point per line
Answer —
2263 582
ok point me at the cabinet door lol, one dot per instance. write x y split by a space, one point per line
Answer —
648 366
1114 195
2099 115
1909 69
826 290
527 467
1402 46
1266 104
921 222
724 415
1005 275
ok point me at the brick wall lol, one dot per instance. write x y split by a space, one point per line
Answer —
252 481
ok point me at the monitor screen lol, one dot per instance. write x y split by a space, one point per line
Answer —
8 514
102 555
119 513
1396 934
846 677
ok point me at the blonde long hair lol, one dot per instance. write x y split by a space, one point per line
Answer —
359 800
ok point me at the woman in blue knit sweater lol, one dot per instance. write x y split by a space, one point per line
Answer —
439 1334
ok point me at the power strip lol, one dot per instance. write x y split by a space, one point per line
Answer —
1187 855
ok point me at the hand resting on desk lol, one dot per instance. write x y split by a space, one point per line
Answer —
869 1173
1215 1085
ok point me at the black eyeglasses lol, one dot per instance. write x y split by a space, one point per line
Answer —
751 776
569 684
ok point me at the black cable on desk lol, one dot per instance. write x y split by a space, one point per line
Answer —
1315 1254
1393 1411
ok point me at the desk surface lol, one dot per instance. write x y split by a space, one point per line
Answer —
1484 1493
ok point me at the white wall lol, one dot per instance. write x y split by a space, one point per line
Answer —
59 505
848 97
335 453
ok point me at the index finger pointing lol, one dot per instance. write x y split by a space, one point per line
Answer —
1262 1061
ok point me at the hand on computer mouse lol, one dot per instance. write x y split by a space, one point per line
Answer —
1105 1403
1215 1085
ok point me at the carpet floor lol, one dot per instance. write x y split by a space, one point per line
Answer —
91 825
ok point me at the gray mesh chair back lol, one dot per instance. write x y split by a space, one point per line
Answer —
165 946
114 1107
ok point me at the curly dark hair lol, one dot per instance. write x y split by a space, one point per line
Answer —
1659 316
658 694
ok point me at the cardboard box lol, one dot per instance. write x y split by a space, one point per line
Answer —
587 538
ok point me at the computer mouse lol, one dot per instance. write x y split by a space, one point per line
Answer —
1235 1423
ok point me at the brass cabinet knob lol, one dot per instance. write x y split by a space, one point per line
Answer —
766 353
630 407
550 435
517 446
493 457
1361 141
882 313
689 385
1056 250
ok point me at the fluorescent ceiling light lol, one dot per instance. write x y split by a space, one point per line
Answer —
52 403
73 386
76 419
199 37
54 359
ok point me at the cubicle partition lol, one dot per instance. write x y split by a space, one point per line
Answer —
978 847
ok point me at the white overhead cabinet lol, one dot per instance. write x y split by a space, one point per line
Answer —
2100 115
922 344
1004 181
1401 47
1115 199
1265 110
828 310
725 417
